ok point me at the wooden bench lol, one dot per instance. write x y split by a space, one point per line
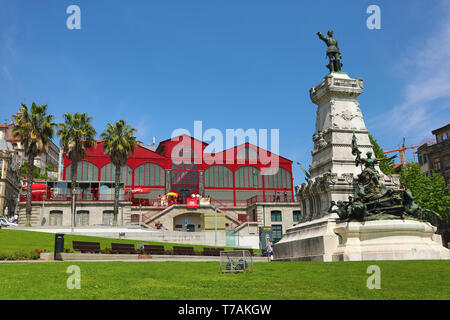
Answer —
153 249
212 251
84 246
123 248
183 251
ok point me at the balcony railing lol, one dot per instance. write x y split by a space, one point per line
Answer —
270 198
79 197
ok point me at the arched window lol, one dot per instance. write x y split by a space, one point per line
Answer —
277 178
86 171
248 177
108 173
218 176
149 174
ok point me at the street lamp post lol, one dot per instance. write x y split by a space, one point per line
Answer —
74 192
215 226
140 213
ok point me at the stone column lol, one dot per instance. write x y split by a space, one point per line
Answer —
168 180
201 182
333 164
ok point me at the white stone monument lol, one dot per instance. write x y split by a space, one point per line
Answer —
317 237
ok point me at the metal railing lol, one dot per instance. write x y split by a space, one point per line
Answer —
250 217
270 198
79 197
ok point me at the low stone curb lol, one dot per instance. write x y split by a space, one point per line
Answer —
49 256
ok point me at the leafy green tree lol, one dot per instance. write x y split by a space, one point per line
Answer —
387 166
37 174
35 129
76 135
51 167
430 192
118 142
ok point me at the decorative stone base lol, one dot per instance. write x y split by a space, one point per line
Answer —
309 241
388 240
324 240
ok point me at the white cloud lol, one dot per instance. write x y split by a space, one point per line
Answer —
142 130
7 74
426 100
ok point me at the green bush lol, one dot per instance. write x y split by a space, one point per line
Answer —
20 255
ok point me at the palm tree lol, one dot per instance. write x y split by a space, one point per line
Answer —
118 142
35 129
76 135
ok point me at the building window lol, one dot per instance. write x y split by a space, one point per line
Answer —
248 177
149 174
108 173
437 164
218 177
86 171
82 218
275 215
277 178
185 174
56 218
297 215
277 233
108 218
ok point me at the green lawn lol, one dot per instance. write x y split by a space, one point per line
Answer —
18 240
202 280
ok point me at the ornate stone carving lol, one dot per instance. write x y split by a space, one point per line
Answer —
373 201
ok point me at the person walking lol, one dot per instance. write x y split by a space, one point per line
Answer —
269 251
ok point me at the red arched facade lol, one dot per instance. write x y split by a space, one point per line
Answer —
230 177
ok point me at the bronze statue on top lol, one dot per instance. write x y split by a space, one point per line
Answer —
333 53
373 201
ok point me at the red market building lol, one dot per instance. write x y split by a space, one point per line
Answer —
229 178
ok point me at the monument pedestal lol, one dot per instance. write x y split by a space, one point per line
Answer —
325 240
387 240
333 169
309 241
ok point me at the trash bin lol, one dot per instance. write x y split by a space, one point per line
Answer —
59 245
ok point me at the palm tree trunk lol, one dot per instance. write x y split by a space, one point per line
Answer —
73 177
29 191
116 193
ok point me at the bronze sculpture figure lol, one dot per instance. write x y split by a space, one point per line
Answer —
333 53
374 201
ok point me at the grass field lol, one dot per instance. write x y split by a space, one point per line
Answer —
202 280
19 240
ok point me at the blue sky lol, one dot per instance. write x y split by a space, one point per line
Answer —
160 65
